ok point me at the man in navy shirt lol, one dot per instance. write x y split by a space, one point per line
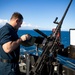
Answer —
10 45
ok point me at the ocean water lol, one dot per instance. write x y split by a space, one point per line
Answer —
65 39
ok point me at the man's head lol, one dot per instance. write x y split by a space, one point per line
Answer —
16 20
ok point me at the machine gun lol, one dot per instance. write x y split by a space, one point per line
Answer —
49 45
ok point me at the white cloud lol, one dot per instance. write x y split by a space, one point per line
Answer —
2 22
28 26
24 25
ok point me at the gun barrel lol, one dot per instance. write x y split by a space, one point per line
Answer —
66 11
40 32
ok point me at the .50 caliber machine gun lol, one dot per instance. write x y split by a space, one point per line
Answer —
49 45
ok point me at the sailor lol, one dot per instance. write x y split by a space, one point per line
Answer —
10 45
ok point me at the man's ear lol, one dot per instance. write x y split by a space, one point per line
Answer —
17 20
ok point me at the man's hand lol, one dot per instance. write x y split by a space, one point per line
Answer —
25 37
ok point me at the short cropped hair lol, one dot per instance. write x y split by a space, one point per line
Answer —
17 15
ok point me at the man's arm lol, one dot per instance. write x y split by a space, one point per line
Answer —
12 45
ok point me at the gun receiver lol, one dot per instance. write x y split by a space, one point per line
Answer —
49 47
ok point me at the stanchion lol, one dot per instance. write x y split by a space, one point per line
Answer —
27 63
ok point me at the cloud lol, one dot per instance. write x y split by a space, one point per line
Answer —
2 22
28 26
23 26
31 26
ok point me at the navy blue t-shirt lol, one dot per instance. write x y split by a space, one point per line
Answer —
8 33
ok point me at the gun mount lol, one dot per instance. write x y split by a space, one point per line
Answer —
50 45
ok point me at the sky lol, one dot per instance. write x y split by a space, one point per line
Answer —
39 14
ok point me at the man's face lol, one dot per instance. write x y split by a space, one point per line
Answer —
18 23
